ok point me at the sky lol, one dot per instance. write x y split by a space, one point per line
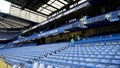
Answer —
4 6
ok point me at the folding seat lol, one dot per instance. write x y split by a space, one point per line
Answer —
75 58
93 56
97 53
117 57
100 56
62 66
96 60
65 57
49 66
81 55
88 59
91 65
85 52
63 61
83 63
90 52
111 53
15 66
57 67
113 66
118 46
13 61
81 59
101 66
109 56
118 53
70 58
114 50
42 66
35 65
55 60
86 55
105 60
115 61
76 62
69 61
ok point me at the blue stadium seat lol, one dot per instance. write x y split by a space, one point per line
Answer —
115 61
96 60
101 66
105 60
113 66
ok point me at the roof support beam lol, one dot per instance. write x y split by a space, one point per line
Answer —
61 2
2 24
66 6
52 6
48 4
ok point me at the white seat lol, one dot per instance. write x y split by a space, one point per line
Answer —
15 66
35 65
41 66
49 66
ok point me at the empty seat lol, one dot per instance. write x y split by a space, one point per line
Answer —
15 66
88 59
96 60
105 60
41 66
49 66
115 61
35 65
101 65
109 56
113 66
117 57
92 65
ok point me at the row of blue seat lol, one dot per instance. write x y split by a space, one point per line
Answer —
67 55
29 54
80 58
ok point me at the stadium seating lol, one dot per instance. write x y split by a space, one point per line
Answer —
86 56
88 53
2 46
30 54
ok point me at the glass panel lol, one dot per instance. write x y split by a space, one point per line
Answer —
40 9
58 3
55 5
44 5
51 8
44 10
50 2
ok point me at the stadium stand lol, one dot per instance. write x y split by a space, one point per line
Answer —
91 22
76 34
94 53
32 55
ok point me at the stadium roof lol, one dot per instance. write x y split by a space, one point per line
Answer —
45 7
8 21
